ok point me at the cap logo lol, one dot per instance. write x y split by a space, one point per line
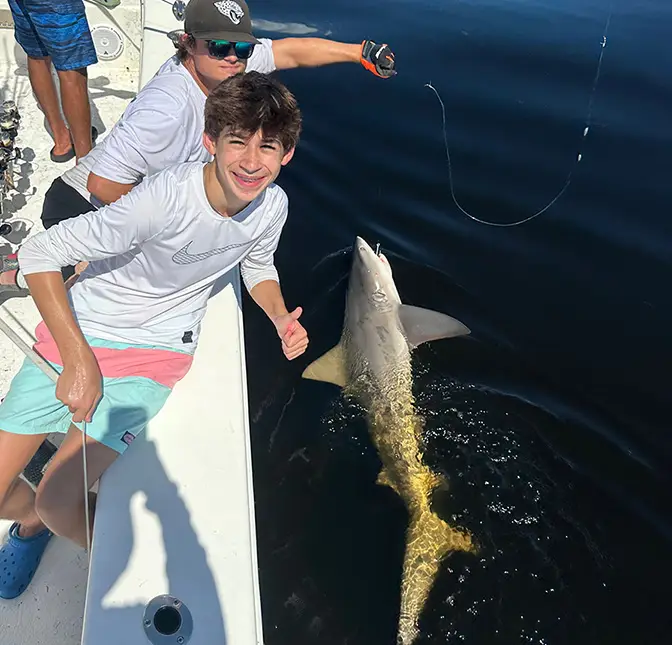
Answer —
232 10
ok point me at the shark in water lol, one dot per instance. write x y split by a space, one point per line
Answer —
372 362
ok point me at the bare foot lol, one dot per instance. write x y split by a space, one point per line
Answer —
31 526
8 277
62 142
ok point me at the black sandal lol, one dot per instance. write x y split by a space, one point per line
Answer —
70 154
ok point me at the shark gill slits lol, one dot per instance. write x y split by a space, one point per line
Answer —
379 295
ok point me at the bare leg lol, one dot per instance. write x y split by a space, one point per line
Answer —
17 499
42 82
75 97
60 495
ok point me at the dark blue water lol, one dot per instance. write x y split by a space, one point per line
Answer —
551 420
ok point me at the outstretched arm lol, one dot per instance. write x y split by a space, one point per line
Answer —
315 52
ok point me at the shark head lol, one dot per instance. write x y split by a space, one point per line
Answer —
372 327
372 293
371 277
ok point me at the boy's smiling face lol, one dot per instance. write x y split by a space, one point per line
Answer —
246 164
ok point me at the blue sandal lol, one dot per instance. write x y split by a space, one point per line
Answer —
19 559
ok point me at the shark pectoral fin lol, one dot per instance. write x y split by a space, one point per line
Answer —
422 325
384 479
330 367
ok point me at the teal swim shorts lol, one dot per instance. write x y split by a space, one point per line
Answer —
137 380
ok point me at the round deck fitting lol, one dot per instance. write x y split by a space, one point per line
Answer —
167 620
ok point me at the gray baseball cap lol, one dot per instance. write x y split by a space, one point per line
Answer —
219 20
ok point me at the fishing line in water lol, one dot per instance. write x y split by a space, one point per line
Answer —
571 172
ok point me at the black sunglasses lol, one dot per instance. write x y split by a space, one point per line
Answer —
222 48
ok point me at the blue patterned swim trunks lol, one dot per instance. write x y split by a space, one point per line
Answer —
54 28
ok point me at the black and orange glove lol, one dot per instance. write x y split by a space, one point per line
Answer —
378 59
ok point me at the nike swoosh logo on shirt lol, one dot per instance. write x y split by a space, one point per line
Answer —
184 257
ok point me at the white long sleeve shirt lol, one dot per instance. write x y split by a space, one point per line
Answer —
155 255
163 125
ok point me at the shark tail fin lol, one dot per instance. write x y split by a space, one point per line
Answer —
429 539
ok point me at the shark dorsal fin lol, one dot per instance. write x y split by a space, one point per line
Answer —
330 367
422 325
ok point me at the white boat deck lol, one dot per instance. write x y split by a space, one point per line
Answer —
176 514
